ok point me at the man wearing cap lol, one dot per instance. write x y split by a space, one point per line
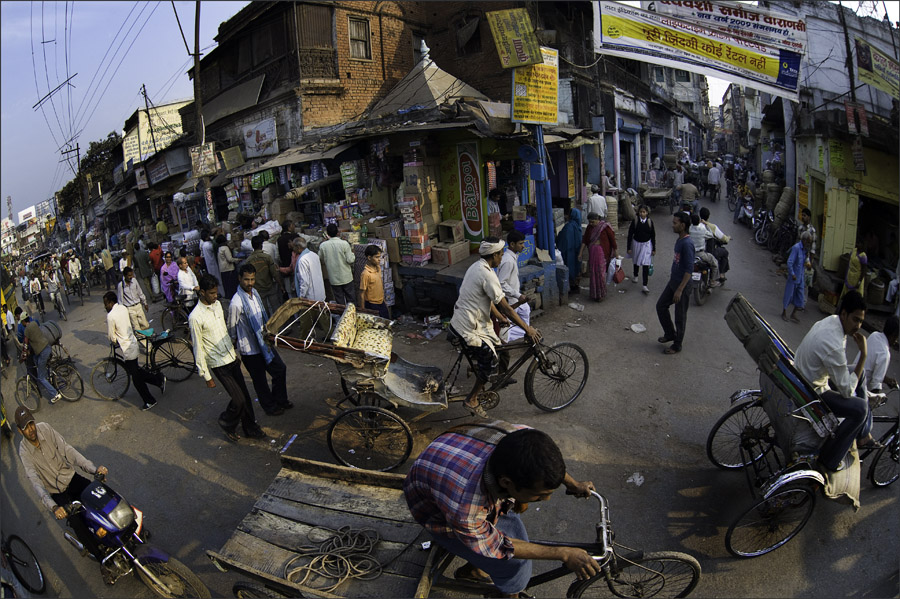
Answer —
39 346
480 295
50 464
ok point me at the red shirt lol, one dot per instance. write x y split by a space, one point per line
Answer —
156 258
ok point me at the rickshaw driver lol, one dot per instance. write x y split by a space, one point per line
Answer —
468 488
480 295
822 357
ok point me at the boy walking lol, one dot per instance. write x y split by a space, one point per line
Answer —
371 286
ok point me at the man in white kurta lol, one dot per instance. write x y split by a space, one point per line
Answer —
308 280
508 273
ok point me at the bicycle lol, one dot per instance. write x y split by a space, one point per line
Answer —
781 240
172 356
58 304
629 574
174 316
64 378
19 557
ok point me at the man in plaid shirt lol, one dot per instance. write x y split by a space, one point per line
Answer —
468 488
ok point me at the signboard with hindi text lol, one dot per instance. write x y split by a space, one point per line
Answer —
203 160
877 68
663 40
535 91
517 45
140 142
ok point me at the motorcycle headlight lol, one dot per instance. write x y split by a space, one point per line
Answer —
122 515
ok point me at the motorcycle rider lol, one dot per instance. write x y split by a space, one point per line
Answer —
51 465
700 233
716 247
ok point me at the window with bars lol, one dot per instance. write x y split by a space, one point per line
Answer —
318 58
360 46
682 76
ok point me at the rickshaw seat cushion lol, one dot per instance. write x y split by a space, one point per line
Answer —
364 332
794 435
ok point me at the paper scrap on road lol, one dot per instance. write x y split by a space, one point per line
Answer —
636 478
728 367
638 328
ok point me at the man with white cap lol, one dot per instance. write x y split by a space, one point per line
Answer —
480 295
52 466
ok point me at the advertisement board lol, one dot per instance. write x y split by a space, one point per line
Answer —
138 143
470 190
261 139
664 40
203 160
535 91
517 45
877 68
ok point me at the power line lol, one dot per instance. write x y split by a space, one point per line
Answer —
44 43
37 88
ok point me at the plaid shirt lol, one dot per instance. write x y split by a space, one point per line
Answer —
446 494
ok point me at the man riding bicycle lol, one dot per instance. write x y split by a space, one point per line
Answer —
75 270
481 295
53 288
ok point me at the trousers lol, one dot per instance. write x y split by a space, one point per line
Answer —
344 294
509 575
240 408
676 332
73 493
857 423
43 371
276 397
140 378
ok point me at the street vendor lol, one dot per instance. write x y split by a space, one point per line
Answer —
468 488
480 295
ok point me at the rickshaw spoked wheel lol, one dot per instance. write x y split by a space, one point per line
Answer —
771 522
370 437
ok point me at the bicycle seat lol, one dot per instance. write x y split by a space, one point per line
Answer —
145 332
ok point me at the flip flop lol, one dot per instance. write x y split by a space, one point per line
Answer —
870 443
476 410
466 573
671 350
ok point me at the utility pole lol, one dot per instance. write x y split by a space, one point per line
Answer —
198 106
149 120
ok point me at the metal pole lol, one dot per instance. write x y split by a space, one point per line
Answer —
546 237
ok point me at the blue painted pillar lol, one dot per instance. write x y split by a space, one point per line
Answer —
546 237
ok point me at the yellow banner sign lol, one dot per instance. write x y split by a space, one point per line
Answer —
535 91
877 69
514 37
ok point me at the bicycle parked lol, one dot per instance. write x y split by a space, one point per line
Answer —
170 355
174 316
63 376
18 557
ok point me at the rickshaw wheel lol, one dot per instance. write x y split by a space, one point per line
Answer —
885 468
745 425
770 523
370 438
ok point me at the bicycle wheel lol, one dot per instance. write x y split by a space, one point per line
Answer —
732 202
28 393
174 357
68 382
659 574
59 353
25 565
560 380
60 308
761 234
370 438
746 426
885 468
770 523
109 379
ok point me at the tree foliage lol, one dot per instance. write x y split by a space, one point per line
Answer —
99 161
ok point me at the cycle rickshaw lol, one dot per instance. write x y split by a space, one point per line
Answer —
774 434
376 382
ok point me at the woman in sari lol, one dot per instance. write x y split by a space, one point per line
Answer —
568 242
600 242
168 278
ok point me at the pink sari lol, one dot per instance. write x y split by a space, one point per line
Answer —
597 262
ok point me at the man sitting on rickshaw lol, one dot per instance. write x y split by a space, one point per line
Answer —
480 295
822 358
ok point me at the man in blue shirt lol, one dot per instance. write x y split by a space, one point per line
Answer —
678 289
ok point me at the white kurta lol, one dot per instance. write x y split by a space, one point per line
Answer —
309 269
472 313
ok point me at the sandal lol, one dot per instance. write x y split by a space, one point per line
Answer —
869 443
476 410
468 574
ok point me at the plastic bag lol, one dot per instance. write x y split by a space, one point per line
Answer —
154 284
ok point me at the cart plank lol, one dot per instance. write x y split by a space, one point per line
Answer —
270 560
315 516
290 535
340 496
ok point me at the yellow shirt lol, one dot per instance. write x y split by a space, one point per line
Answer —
371 285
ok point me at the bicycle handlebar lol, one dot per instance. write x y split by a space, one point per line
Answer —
603 526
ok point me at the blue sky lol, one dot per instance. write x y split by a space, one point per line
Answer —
31 171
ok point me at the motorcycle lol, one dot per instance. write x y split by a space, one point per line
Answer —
762 225
701 281
120 532
745 212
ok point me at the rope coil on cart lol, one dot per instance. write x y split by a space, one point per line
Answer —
344 554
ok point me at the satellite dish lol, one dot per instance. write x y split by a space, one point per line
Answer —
528 154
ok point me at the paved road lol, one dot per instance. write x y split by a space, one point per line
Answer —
644 417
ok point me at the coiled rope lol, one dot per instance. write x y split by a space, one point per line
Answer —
344 554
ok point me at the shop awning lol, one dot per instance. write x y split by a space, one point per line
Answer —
578 142
233 100
304 154
190 184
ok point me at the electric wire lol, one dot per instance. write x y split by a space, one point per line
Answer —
37 88
44 43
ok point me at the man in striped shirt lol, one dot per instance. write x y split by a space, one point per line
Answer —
214 354
468 488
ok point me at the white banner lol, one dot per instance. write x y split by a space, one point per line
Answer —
629 32
260 139
751 22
